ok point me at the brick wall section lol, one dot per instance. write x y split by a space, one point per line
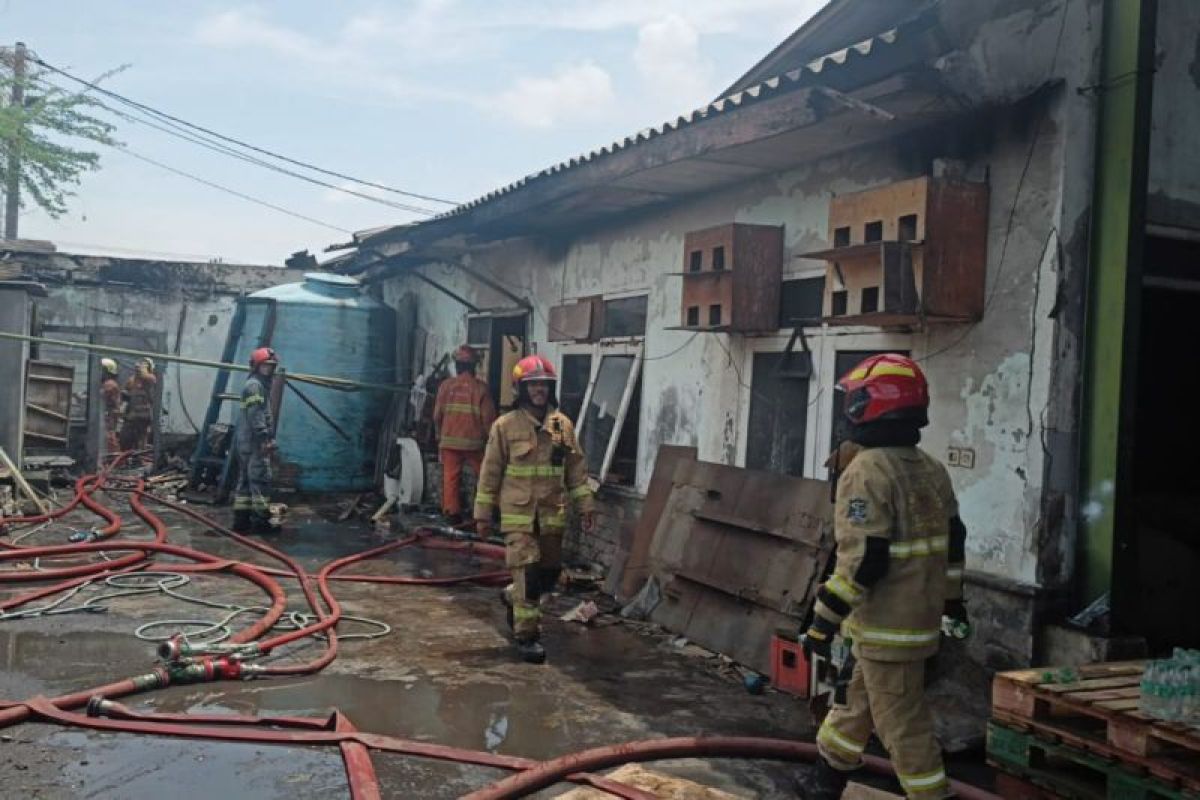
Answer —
616 517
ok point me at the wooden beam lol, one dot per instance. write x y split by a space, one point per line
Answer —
22 483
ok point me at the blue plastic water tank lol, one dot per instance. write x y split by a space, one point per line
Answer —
328 326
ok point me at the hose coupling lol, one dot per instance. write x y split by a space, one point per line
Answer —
177 648
97 706
204 669
79 537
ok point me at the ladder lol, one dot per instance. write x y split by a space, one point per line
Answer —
206 462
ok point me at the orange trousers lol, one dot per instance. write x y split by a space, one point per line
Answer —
452 464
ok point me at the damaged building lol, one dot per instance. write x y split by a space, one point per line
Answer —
945 180
1001 190
137 304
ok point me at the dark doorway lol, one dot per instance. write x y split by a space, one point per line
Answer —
1163 531
507 345
778 417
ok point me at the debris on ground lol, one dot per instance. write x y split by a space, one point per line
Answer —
666 787
583 613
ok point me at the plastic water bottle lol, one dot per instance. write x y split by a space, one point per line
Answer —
1149 702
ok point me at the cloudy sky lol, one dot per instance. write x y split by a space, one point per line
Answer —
446 98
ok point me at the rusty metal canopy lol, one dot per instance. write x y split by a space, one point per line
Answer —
877 89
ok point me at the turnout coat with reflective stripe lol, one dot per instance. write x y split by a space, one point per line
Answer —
892 578
463 412
520 474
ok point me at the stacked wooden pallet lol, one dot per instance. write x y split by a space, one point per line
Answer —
1077 733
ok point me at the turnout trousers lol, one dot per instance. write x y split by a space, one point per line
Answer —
254 484
887 697
535 561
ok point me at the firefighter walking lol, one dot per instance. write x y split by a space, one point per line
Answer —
255 442
463 414
900 549
532 468
139 396
110 394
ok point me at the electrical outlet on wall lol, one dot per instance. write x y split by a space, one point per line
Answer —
953 455
966 458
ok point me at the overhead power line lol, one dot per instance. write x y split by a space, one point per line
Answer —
233 192
263 151
179 132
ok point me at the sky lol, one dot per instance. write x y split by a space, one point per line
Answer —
445 98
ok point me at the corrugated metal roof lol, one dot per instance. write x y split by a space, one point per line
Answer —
819 67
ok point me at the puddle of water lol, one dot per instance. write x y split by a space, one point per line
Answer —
478 716
130 767
36 662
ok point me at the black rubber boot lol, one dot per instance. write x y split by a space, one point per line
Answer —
531 651
262 526
241 522
821 782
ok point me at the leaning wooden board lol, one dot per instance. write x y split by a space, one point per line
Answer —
1097 711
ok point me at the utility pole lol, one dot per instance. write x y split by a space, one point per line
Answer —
12 183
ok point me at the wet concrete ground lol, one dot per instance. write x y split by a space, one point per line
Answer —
444 674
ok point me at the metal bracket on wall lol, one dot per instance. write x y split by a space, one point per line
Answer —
797 365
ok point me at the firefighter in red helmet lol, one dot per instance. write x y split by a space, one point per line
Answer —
532 467
900 549
255 442
463 414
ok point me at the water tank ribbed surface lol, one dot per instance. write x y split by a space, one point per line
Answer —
328 326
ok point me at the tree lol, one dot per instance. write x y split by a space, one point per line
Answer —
41 133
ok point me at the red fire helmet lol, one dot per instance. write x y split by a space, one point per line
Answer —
886 386
533 368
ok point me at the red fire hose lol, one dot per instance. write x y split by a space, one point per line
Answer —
355 746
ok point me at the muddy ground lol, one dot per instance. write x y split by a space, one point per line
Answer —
445 673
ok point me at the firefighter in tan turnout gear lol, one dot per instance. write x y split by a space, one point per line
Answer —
531 468
900 547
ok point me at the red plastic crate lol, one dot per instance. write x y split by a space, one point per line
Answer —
789 667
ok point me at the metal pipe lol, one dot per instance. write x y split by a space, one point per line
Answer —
341 384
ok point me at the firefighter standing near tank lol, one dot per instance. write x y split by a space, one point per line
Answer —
532 467
463 414
255 442
110 394
900 547
138 416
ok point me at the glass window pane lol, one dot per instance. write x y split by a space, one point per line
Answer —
479 330
576 371
605 403
801 299
625 317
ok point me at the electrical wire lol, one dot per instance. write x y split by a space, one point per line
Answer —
176 131
227 190
1012 212
209 132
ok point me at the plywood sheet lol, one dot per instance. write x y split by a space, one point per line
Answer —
739 554
666 787
636 565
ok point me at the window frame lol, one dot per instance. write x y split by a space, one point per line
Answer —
619 347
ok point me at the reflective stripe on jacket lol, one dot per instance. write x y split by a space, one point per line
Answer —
892 524
255 424
463 413
531 470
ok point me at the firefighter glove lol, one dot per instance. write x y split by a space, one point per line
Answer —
957 611
818 638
